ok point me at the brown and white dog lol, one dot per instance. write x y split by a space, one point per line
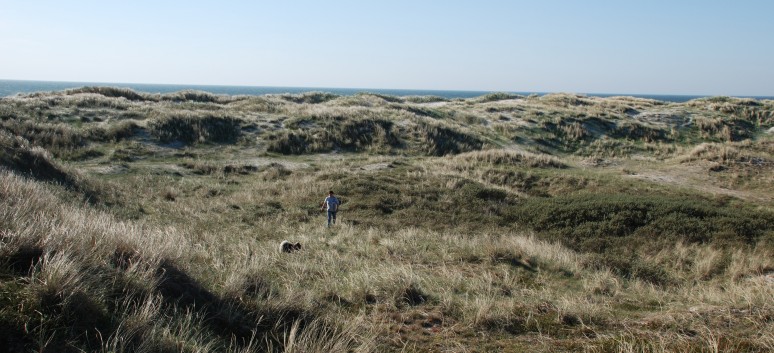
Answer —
287 246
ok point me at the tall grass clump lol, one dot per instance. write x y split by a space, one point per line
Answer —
716 153
309 97
355 135
114 132
502 157
112 92
746 158
56 137
724 129
566 100
194 96
439 140
639 132
385 97
191 128
425 99
497 96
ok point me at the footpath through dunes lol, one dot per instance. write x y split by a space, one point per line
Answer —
500 223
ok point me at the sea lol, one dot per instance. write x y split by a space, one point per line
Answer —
13 87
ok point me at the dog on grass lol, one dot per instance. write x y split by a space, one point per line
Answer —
289 247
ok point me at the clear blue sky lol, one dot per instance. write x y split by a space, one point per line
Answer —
650 47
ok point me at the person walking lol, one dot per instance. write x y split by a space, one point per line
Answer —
331 203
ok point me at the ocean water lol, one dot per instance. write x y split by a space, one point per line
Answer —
13 87
10 88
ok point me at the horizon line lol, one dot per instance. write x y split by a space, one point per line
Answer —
363 89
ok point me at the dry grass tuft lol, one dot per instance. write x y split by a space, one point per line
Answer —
511 158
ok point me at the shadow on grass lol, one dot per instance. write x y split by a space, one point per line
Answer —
226 317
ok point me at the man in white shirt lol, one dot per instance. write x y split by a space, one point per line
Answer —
331 203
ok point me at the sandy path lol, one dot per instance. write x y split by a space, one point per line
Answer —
696 178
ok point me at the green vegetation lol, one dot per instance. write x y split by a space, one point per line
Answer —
133 222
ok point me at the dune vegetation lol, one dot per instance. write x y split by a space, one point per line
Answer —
135 222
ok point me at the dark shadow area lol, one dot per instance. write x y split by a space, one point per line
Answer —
23 260
18 156
226 317
23 160
13 339
514 260
413 296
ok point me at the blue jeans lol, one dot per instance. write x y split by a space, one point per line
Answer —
331 215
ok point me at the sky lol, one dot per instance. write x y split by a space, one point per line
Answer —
596 46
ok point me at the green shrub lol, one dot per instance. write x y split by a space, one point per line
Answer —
577 219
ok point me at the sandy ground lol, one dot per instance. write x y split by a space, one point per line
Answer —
696 177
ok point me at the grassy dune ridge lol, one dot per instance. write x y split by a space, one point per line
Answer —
135 222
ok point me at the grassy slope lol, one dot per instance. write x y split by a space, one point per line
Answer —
553 223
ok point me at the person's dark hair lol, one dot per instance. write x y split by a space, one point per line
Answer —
330 192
